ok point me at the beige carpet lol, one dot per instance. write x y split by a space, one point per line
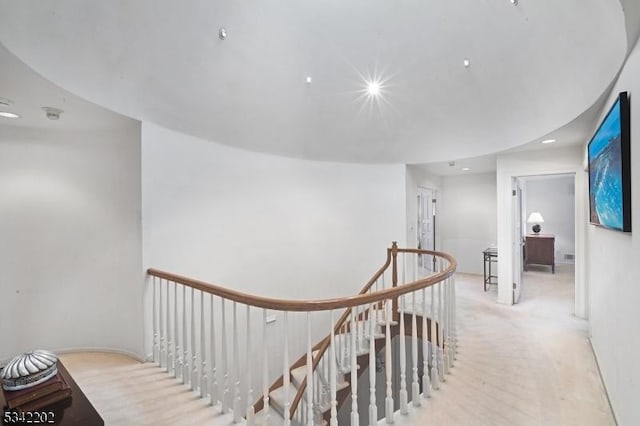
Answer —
530 364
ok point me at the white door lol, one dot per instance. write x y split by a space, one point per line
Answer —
426 227
517 239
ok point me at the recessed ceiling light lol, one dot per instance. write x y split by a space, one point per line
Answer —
546 141
465 169
373 88
308 79
7 114
222 33
514 2
466 62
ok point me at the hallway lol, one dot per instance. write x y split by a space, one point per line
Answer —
528 364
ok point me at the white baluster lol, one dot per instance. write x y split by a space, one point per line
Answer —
162 337
176 336
403 362
389 409
309 374
361 325
225 366
185 348
426 382
193 384
373 408
265 369
333 376
213 381
453 316
415 386
404 269
447 318
156 347
355 420
286 374
440 335
168 332
435 380
250 410
450 332
236 365
203 351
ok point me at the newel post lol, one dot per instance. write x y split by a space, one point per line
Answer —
394 276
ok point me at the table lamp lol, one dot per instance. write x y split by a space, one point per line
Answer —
536 219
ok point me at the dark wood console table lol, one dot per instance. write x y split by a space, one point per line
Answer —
539 249
76 410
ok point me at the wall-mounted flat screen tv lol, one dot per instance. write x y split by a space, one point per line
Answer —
610 169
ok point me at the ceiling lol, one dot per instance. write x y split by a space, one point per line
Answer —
29 92
534 68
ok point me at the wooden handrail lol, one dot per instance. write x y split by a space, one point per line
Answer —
320 304
391 258
347 303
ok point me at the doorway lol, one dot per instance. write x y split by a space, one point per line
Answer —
426 228
544 237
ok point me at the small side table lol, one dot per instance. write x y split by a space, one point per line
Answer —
490 256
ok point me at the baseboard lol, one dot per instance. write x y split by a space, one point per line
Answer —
133 355
62 351
604 385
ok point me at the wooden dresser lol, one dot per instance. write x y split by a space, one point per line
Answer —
539 249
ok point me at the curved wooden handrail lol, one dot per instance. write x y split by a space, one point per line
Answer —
347 303
324 343
315 305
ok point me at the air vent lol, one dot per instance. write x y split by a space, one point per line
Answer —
569 256
5 102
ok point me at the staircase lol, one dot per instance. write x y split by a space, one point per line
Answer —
199 341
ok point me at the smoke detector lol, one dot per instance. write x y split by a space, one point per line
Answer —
52 113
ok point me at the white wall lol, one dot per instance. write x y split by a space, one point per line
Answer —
542 162
554 198
70 245
614 278
267 225
468 218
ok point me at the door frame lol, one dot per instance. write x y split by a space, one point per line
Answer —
516 167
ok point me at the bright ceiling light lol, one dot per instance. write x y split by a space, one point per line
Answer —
7 114
514 2
373 88
308 80
546 141
466 63
465 169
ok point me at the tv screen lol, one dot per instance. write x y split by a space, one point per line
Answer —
610 169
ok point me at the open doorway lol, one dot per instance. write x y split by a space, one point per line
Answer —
545 230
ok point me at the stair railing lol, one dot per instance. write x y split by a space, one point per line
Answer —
192 321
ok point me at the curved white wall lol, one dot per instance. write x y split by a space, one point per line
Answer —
265 224
70 240
614 276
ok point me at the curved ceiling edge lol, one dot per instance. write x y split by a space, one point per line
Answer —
531 69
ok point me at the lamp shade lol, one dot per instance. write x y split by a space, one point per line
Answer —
535 217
